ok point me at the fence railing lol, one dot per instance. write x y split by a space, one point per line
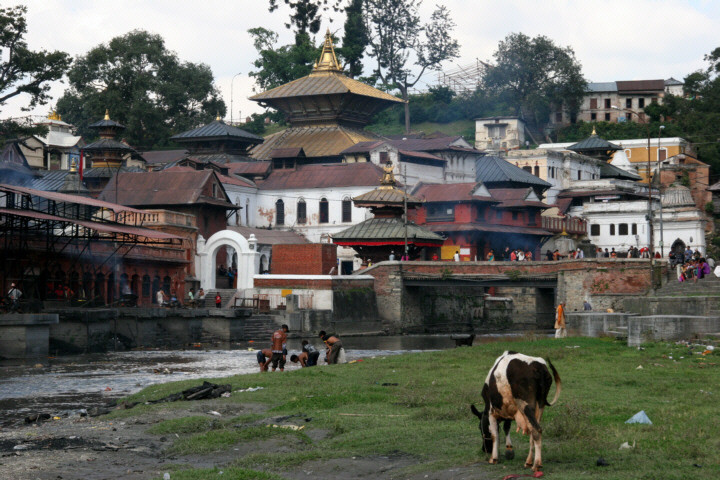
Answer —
572 225
264 302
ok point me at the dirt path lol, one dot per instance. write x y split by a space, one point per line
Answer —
100 448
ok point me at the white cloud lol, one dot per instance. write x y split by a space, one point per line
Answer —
613 39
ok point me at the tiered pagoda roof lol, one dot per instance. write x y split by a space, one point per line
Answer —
326 110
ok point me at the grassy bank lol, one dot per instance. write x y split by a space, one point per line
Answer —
417 405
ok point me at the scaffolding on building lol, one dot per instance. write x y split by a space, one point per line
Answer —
464 79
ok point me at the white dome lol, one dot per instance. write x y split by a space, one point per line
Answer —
621 161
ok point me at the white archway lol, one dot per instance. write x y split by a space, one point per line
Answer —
246 250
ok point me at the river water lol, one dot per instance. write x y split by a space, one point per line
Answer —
64 385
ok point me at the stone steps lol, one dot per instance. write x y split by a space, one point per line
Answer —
227 296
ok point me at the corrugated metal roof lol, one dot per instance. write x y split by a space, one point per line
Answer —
630 86
323 176
270 237
163 188
317 142
491 169
424 155
390 229
592 143
288 152
162 157
97 226
483 227
363 147
217 129
107 123
455 192
671 81
385 196
62 197
108 172
515 197
225 179
601 87
324 83
249 168
426 144
107 144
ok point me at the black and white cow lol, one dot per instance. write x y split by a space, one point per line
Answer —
516 389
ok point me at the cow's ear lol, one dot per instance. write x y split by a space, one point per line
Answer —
475 411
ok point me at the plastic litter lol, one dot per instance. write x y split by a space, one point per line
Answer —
250 389
639 367
289 427
627 446
640 417
710 347
166 476
213 412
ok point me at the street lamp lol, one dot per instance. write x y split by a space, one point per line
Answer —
659 169
231 97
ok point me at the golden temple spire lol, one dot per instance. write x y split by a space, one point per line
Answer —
594 130
217 117
328 61
107 114
54 115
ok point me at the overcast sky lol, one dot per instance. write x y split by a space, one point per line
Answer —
613 39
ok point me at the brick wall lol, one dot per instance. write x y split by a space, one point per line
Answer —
304 259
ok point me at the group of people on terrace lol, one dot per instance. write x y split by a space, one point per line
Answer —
691 265
276 356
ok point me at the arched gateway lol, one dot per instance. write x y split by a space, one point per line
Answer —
246 250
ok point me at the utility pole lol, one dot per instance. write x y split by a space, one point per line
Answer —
405 209
231 97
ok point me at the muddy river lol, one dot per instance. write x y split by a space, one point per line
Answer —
64 385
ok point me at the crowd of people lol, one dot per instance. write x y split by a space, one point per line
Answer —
691 265
276 356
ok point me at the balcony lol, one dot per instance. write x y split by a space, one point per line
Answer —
571 225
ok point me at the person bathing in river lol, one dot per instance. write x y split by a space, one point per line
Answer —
308 357
263 358
279 340
334 346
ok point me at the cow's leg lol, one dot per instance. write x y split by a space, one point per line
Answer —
537 440
529 459
493 424
509 452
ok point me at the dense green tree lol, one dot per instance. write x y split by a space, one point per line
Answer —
534 74
24 72
145 86
355 39
399 42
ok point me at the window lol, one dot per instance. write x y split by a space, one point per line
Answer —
301 211
558 117
628 103
247 212
531 219
536 171
384 157
607 117
607 103
612 229
641 103
634 228
579 175
593 103
595 230
439 212
654 100
593 116
146 285
280 212
628 152
527 169
324 211
662 154
498 214
346 210
214 190
623 229
514 215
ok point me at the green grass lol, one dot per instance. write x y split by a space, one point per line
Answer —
427 414
231 473
466 128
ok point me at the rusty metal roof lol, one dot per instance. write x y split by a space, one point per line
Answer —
386 197
165 188
328 141
249 168
163 157
363 147
385 229
515 197
455 192
288 152
97 226
424 155
427 144
319 175
324 83
639 86
483 227
266 236
226 179
63 197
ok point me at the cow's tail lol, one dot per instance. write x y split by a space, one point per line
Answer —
558 384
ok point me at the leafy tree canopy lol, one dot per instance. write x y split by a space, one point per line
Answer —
533 74
277 65
23 71
146 88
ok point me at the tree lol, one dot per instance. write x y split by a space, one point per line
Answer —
534 74
398 41
145 87
279 65
355 39
24 71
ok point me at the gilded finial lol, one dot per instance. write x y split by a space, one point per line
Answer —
107 114
73 165
594 130
388 178
328 61
54 115
217 116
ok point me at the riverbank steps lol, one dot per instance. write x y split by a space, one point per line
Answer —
417 407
